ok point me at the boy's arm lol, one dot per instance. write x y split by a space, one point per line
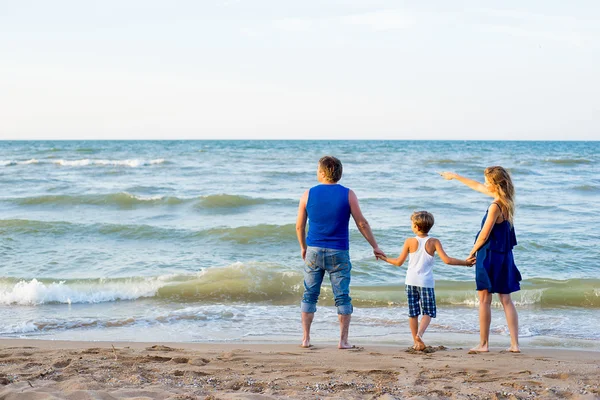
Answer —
450 260
398 261
301 224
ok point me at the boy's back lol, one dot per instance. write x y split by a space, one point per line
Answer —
420 262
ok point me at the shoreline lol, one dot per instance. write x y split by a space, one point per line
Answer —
80 370
398 340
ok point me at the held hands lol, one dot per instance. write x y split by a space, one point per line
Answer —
471 259
379 254
448 175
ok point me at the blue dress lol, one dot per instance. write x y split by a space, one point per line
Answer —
495 269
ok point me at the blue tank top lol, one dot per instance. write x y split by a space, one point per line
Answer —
328 212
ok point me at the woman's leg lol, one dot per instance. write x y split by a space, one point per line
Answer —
485 319
512 319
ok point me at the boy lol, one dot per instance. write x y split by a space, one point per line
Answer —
419 276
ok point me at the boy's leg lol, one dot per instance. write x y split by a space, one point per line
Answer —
413 296
512 319
425 320
429 309
413 323
485 319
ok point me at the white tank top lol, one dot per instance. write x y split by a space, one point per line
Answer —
420 266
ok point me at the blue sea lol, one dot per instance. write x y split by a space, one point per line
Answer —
194 241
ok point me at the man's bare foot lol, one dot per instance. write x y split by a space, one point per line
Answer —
345 345
479 349
419 344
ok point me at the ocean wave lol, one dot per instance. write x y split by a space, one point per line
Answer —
587 188
256 234
122 200
276 284
36 292
133 163
128 200
124 163
247 282
568 161
8 163
228 201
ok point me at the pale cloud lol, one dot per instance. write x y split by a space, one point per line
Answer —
382 20
294 24
563 29
573 39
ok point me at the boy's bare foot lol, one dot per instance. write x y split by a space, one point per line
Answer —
479 349
419 344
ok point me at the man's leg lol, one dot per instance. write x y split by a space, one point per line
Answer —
313 277
307 319
344 328
339 274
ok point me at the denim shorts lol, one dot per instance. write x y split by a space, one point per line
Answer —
337 263
420 297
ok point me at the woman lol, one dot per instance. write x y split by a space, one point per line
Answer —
495 269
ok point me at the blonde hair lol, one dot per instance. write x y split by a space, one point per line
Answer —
500 179
423 220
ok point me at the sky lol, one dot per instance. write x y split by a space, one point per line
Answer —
310 69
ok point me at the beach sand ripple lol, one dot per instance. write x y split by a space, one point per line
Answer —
83 370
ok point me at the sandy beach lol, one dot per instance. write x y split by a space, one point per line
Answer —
36 369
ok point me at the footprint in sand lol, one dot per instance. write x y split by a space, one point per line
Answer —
62 363
159 347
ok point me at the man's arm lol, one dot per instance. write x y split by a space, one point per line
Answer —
362 224
301 224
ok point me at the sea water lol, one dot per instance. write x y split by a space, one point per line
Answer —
195 240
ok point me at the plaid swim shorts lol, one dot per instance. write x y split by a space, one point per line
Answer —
420 297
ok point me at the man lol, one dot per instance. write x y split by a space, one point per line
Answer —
328 207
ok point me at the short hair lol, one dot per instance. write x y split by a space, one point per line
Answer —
332 167
423 220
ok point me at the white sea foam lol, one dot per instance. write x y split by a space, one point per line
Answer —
6 163
35 292
125 163
133 163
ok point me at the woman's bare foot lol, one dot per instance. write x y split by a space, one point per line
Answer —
514 349
479 349
345 345
305 344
